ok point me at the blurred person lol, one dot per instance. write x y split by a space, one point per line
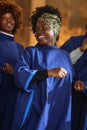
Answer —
10 23
76 46
44 75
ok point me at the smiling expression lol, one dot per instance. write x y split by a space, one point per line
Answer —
44 34
7 23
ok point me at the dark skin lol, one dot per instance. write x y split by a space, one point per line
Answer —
80 85
8 69
7 25
45 36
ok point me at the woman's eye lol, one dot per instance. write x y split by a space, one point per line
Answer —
5 18
46 28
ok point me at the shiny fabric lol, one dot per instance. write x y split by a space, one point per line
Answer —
46 104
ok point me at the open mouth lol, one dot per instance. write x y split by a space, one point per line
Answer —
9 25
40 37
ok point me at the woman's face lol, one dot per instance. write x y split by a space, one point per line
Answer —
44 34
7 23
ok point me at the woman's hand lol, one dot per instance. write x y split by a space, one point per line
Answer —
8 69
57 72
79 85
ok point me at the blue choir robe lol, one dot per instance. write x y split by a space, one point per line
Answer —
9 53
45 104
79 106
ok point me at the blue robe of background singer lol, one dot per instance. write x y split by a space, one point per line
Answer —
9 52
45 104
79 108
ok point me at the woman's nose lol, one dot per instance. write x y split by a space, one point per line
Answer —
39 30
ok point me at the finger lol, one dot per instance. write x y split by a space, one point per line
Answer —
64 70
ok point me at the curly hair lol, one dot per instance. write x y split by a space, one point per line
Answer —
41 10
8 7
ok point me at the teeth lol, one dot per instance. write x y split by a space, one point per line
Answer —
9 25
41 36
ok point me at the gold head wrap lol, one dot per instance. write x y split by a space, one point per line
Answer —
53 21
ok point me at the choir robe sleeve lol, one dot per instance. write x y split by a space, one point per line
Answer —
70 45
23 75
80 66
22 72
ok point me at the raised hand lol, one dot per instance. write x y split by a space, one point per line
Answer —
8 69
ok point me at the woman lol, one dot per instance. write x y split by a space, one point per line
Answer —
10 22
44 75
77 47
